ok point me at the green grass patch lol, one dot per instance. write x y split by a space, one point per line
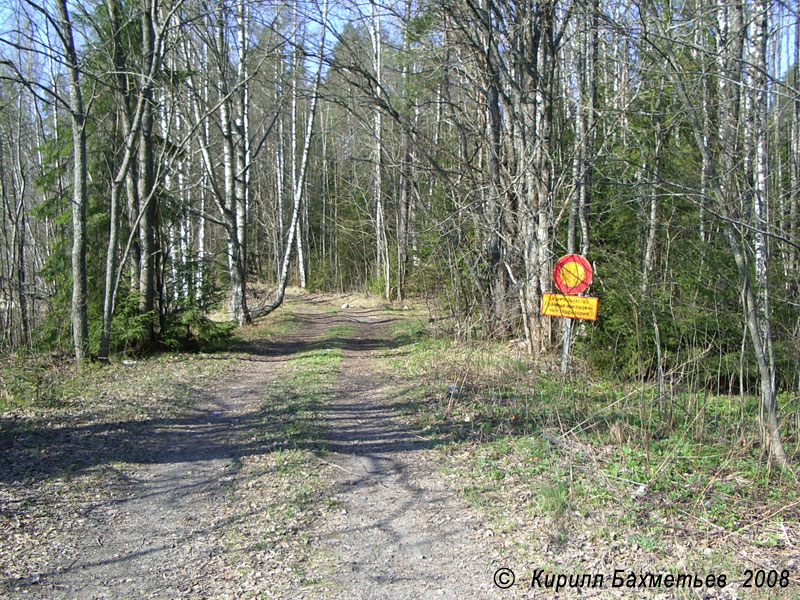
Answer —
281 490
44 381
302 389
322 307
282 321
339 331
30 380
159 384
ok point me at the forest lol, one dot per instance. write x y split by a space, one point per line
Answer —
163 159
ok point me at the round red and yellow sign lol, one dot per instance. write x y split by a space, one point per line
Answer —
572 274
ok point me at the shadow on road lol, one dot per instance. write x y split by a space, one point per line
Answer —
31 450
245 414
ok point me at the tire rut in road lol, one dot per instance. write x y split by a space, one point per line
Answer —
399 530
165 532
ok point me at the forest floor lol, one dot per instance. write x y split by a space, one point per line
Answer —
308 460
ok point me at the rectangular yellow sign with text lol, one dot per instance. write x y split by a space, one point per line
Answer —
573 307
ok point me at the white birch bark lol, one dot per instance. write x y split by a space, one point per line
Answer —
735 221
80 333
381 242
299 185
769 420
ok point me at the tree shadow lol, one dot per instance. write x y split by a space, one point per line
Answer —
33 449
335 421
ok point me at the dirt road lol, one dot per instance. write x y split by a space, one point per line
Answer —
226 501
401 532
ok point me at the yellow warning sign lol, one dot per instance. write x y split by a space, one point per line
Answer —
573 307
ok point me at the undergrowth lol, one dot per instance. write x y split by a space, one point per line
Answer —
49 380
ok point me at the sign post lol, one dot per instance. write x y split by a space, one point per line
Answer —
572 275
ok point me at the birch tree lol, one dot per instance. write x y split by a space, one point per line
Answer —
136 176
77 112
298 185
381 242
744 226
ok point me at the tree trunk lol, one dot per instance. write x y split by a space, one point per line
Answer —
145 185
242 195
116 186
756 303
231 206
299 184
539 178
381 242
769 419
80 329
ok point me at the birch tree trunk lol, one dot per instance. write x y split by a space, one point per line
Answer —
146 183
295 120
279 182
406 182
132 120
232 207
381 242
80 330
243 135
794 172
766 358
299 185
20 233
736 221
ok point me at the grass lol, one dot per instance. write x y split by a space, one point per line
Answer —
281 321
44 382
69 436
317 306
573 468
547 453
155 386
281 492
